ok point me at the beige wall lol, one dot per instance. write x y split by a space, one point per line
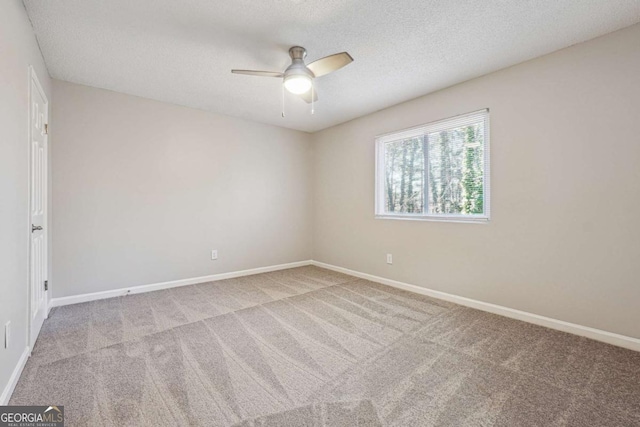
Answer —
18 50
563 240
143 191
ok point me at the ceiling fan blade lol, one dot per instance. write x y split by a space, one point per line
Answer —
307 96
330 63
258 73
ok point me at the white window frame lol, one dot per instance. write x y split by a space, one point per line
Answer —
418 131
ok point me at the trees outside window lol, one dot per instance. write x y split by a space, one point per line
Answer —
435 171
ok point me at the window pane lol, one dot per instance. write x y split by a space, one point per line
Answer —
455 169
404 176
435 171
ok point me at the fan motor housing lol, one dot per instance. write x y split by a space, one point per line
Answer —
298 67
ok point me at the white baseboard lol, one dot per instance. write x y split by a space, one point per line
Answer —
560 325
75 299
15 376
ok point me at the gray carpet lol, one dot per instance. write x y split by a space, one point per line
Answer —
311 347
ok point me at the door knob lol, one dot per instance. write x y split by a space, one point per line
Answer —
35 228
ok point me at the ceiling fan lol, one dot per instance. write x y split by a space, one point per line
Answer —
298 77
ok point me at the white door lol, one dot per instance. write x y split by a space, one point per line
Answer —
38 128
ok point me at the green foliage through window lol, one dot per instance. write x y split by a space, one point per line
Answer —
437 173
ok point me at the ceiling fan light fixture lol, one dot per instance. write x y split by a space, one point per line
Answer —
298 83
298 77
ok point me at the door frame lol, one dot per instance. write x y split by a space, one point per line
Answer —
34 81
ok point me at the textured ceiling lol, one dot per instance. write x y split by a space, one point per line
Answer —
182 51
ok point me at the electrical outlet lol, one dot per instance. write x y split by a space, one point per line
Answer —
6 334
214 254
389 259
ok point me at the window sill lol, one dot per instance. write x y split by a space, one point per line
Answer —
434 218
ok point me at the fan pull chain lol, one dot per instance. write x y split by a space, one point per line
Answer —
312 99
283 101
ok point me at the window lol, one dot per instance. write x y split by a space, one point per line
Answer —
439 171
